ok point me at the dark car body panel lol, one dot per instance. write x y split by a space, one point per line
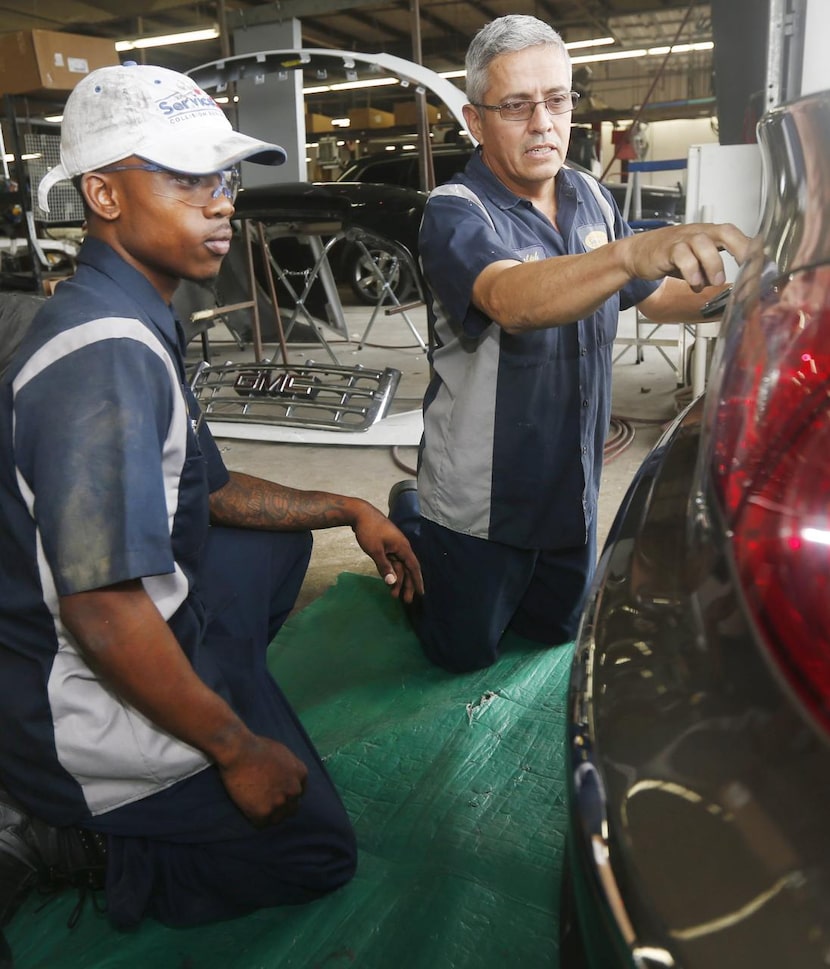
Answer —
336 212
403 167
387 211
699 704
367 217
701 772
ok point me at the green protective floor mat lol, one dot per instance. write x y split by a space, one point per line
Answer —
455 785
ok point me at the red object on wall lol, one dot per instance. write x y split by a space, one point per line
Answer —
623 149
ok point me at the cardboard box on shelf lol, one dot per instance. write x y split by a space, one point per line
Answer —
370 118
43 61
317 123
406 112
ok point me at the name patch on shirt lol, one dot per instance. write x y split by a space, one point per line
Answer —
592 237
531 254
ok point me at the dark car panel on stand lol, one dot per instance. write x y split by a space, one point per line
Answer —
385 218
699 707
380 210
343 212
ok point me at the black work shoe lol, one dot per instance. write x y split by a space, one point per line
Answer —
69 857
405 508
19 860
36 854
400 488
19 865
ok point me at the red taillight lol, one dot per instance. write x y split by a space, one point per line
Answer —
770 460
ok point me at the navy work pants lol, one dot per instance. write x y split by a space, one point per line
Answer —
475 589
187 855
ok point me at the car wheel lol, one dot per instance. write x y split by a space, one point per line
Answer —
364 280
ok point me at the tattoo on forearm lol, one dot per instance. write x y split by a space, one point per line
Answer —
251 502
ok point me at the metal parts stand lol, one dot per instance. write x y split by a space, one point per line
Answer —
386 292
312 235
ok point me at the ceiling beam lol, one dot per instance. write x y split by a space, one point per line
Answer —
369 21
303 9
577 14
323 35
270 13
438 22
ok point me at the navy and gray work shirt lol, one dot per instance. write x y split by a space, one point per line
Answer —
102 480
514 425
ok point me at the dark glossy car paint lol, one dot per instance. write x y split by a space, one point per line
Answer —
385 218
401 167
699 708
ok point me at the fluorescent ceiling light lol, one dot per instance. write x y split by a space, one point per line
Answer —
351 85
594 42
681 48
614 55
369 82
169 40
617 55
610 55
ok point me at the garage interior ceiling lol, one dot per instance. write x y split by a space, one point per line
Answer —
613 88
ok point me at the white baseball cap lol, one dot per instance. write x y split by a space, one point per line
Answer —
160 115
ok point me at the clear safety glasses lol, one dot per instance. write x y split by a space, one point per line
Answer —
196 190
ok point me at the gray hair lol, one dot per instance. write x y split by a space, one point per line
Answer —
505 35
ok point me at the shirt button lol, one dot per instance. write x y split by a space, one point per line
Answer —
583 351
585 450
584 403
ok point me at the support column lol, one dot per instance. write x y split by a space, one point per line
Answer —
271 106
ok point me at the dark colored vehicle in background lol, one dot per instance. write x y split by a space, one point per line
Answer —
659 203
699 704
401 167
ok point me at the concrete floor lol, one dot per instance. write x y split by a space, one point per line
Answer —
646 395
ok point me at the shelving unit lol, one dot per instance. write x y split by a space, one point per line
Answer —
26 177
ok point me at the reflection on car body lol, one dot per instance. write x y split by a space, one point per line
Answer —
699 707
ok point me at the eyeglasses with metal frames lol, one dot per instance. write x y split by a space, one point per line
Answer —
522 110
195 190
